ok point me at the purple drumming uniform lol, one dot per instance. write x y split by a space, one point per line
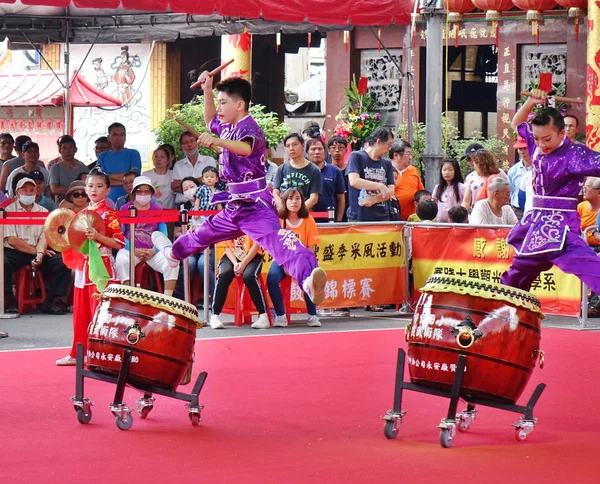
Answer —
249 208
549 234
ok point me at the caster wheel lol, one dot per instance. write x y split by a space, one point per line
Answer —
389 431
445 439
84 417
144 411
520 434
124 423
194 418
463 426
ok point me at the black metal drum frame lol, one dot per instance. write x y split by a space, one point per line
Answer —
122 413
456 421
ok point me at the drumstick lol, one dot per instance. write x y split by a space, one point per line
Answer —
212 73
187 127
569 100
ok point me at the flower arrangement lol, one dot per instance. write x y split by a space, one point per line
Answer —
358 118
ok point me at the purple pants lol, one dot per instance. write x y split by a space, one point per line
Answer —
575 258
259 221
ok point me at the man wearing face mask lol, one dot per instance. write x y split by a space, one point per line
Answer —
25 245
191 165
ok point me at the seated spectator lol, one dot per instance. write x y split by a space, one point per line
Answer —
7 145
67 170
128 178
409 181
31 155
75 198
40 190
495 209
427 210
161 177
15 162
243 257
26 245
458 215
419 196
170 149
144 248
486 169
204 193
450 189
295 217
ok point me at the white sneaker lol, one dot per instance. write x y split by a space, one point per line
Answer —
314 285
164 245
280 321
215 322
314 322
262 322
66 361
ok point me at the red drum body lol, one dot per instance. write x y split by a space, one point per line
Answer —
497 327
159 330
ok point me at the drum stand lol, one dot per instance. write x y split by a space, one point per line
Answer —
456 421
122 413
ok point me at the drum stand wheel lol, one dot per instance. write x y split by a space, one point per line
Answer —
123 413
461 421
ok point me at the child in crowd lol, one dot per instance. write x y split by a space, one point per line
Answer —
243 257
458 215
295 217
162 177
427 210
85 295
550 233
204 193
418 198
450 189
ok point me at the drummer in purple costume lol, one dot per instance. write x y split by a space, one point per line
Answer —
249 209
550 233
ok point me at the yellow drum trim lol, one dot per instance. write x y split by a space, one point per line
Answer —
484 289
151 298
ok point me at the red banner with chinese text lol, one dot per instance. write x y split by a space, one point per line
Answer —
482 253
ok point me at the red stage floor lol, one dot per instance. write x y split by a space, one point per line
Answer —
297 409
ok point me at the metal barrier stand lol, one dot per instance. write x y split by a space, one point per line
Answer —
3 315
133 214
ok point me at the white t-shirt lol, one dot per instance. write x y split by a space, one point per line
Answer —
184 168
482 215
162 185
15 172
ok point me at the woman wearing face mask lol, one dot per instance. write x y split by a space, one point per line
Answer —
144 249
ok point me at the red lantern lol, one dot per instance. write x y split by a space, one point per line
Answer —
455 10
39 125
577 9
493 12
20 124
534 9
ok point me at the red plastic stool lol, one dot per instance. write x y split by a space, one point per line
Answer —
143 275
27 288
286 292
243 307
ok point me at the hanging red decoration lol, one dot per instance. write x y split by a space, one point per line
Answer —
347 39
493 12
309 39
277 41
456 9
378 40
577 10
534 9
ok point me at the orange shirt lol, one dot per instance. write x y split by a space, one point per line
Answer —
306 230
588 218
408 183
244 242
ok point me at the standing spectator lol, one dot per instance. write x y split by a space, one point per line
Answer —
161 178
26 244
191 165
100 146
516 172
128 178
572 127
333 188
409 181
369 170
14 163
66 171
495 209
298 172
31 155
7 144
118 160
427 210
486 169
172 154
450 189
338 147
295 217
588 210
271 166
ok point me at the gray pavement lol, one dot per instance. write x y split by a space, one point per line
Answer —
36 331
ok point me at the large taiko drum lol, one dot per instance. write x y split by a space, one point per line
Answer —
159 330
497 327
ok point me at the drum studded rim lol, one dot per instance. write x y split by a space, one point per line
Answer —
150 298
484 289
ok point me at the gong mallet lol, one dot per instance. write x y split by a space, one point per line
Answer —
187 127
558 99
213 73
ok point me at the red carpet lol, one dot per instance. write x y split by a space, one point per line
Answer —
297 409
